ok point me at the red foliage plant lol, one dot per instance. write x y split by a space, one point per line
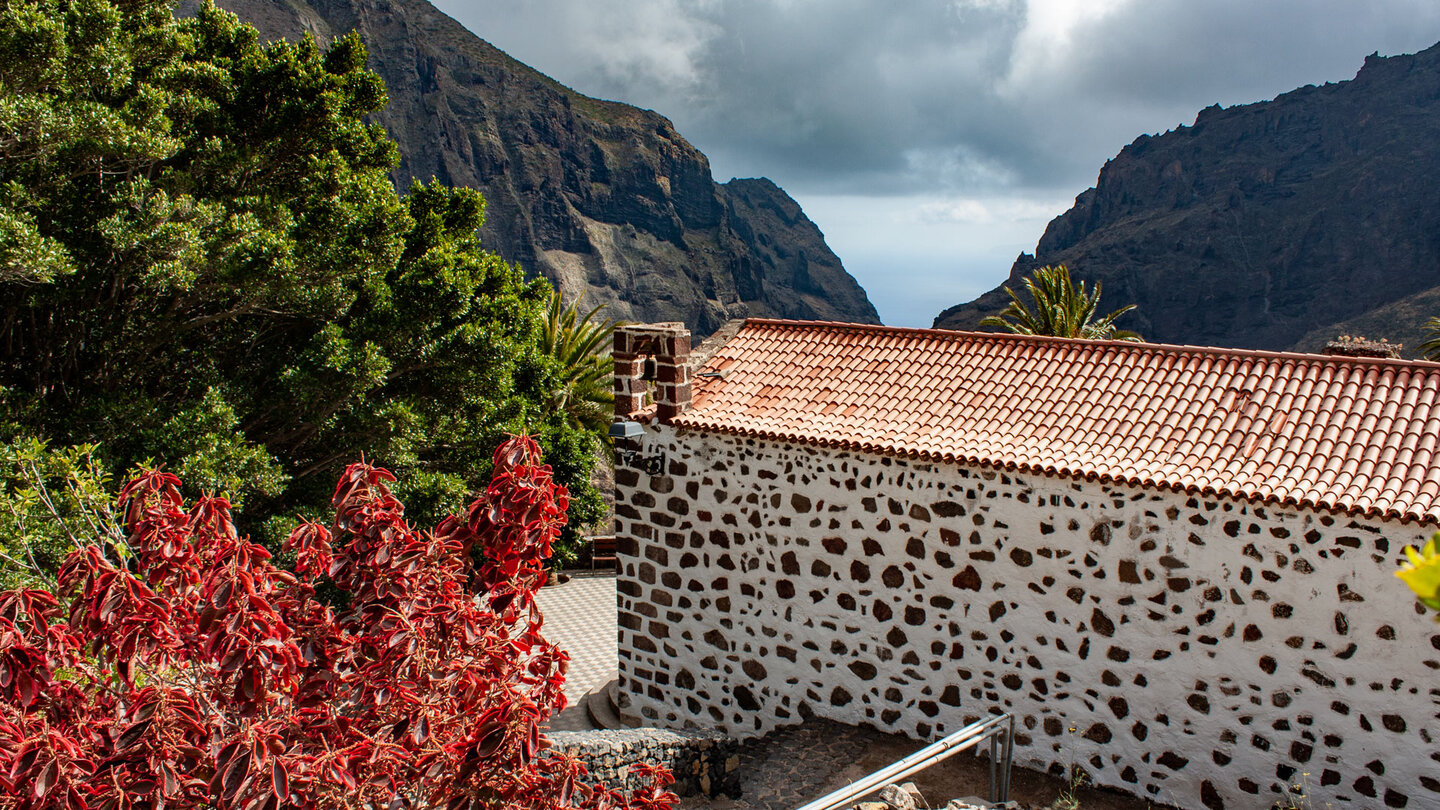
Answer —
189 671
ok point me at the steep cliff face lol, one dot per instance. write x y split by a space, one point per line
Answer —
1273 225
604 199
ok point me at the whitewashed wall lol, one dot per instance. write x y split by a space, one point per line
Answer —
1202 652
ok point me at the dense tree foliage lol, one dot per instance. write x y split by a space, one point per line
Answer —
203 262
1061 309
187 671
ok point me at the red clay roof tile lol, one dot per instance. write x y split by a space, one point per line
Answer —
1333 433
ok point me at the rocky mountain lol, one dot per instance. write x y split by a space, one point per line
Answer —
1274 225
604 199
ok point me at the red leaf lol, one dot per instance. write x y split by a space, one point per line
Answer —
280 780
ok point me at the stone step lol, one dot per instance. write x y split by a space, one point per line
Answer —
602 706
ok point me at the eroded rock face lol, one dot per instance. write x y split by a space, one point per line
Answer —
1275 225
1209 653
601 198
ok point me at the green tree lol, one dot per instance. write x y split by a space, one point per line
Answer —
203 261
1061 309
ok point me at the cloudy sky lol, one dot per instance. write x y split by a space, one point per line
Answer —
932 140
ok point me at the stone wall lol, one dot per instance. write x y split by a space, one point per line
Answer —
1202 652
704 763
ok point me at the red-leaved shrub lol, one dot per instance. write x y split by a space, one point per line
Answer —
187 671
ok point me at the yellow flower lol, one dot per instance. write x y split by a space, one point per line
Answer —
1422 572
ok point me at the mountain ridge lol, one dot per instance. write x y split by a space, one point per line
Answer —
604 199
1272 225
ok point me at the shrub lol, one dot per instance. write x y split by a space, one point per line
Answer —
188 671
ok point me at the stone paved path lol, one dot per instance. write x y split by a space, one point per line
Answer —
580 616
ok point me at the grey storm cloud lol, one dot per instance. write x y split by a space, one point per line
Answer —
932 140
879 97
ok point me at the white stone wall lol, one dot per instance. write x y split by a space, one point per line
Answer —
1202 652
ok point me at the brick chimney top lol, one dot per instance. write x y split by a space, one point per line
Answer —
657 352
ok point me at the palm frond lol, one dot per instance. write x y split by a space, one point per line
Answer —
1063 309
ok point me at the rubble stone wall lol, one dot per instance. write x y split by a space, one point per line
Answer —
1201 651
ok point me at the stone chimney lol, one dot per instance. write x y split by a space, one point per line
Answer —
652 352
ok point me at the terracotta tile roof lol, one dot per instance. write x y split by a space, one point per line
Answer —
1345 434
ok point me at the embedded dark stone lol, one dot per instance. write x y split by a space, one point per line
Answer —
1075 594
1117 655
928 708
1199 703
1101 624
983 555
914 616
1365 786
949 537
1012 681
871 547
967 580
1173 761
859 572
789 564
881 611
1280 610
997 609
1100 533
745 699
845 601
819 568
868 504
799 503
754 669
1301 752
1385 632
1393 722
719 538
920 513
839 697
1210 797
1249 786
943 560
863 670
915 548
893 577
1394 798
951 695
896 637
947 509
1099 733
1053 726
1021 557
1128 572
785 589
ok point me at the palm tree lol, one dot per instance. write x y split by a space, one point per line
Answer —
580 346
1061 309
1430 349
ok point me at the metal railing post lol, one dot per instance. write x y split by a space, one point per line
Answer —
962 740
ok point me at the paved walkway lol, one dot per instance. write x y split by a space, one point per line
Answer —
580 616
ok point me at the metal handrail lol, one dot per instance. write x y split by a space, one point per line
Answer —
993 728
